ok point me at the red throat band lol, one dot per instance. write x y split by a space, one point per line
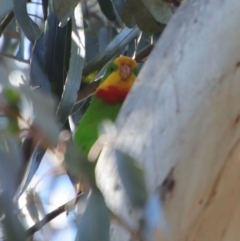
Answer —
112 94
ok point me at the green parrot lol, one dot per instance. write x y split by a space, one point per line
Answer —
107 101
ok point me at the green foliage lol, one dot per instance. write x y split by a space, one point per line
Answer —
136 13
73 41
94 223
132 178
64 9
107 8
12 96
29 27
10 163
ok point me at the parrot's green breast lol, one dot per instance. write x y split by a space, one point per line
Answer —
87 131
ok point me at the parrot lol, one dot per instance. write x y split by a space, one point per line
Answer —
106 103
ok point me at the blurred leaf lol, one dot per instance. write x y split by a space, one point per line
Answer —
64 9
119 5
21 46
43 109
57 44
11 99
6 6
93 16
12 227
136 13
81 203
72 84
91 46
31 205
154 217
38 77
132 178
115 47
45 8
12 96
77 164
30 28
34 163
159 9
10 163
13 126
107 9
94 224
128 14
105 36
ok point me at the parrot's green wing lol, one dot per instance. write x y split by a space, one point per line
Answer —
87 131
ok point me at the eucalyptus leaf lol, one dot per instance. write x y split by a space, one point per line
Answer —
57 44
41 111
30 28
132 178
136 13
128 14
81 203
159 9
45 8
77 164
94 223
91 46
34 163
105 36
38 77
64 9
107 8
42 114
12 227
10 162
6 6
154 217
31 205
72 83
119 5
115 47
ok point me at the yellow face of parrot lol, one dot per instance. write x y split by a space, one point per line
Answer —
119 78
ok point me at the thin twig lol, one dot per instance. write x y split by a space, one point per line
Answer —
15 58
135 234
50 216
143 53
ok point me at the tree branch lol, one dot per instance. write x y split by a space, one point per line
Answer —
65 207
50 216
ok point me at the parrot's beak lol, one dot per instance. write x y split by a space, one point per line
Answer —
125 71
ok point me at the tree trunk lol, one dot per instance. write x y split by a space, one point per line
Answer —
181 122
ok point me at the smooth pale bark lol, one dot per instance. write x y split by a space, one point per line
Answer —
183 115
